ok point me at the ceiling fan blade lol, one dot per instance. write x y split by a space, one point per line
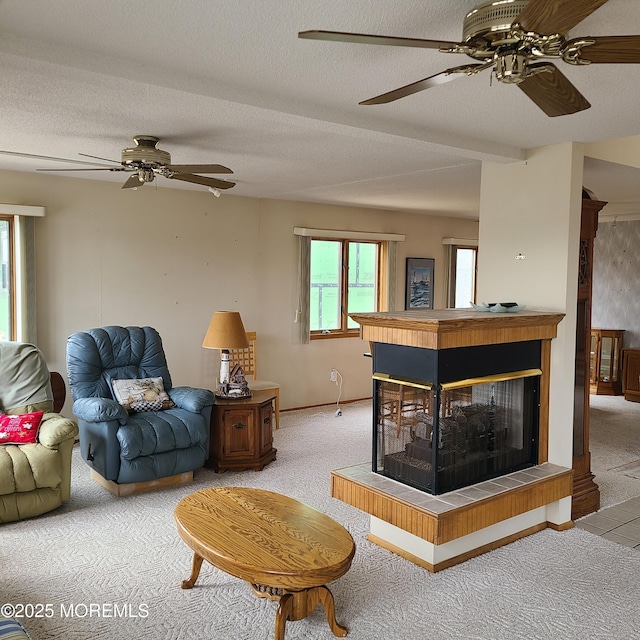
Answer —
365 38
199 168
87 169
132 181
86 155
38 157
421 85
610 49
553 93
207 182
547 17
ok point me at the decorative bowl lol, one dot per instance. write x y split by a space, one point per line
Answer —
499 307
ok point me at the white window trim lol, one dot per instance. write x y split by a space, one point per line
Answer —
461 242
22 210
348 235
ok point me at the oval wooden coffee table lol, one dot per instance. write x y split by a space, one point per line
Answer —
286 550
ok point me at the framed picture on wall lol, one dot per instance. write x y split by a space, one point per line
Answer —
419 283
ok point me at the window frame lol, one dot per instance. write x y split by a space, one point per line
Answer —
344 331
12 298
453 264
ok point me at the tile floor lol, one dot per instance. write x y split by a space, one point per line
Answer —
619 524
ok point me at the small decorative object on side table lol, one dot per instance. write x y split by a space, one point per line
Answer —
235 387
242 433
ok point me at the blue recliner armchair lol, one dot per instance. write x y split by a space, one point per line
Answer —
134 450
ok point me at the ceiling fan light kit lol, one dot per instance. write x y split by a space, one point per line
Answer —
517 39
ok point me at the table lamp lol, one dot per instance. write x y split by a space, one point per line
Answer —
225 332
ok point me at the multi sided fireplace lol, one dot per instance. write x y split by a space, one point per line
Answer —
452 418
461 398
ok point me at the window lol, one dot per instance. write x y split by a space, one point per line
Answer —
344 279
7 288
352 271
462 273
465 277
17 271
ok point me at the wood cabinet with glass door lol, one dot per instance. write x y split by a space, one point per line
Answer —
605 365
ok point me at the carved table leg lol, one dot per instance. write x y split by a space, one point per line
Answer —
296 605
325 598
284 613
195 572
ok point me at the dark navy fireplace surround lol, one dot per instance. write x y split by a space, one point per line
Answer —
457 398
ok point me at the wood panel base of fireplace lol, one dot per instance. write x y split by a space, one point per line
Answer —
436 532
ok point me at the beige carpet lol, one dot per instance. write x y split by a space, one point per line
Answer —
106 551
615 444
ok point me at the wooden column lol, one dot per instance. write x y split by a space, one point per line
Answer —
586 495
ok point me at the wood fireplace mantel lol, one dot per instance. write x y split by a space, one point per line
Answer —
449 328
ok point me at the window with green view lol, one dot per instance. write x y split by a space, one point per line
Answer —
344 279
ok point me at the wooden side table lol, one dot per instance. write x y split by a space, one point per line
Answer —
242 433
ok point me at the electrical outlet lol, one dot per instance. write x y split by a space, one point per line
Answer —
333 375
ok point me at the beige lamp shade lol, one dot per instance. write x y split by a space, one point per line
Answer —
225 331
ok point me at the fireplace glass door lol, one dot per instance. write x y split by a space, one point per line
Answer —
443 438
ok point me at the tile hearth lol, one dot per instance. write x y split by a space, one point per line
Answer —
449 501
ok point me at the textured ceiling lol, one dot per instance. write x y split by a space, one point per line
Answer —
229 82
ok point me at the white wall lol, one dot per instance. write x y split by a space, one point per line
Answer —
533 208
169 258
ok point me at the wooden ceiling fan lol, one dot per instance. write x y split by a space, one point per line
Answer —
516 39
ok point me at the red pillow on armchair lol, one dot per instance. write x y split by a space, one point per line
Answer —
20 429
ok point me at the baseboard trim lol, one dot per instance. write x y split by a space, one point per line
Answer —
565 526
128 489
463 557
324 404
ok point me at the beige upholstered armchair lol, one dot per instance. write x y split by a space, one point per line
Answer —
34 477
